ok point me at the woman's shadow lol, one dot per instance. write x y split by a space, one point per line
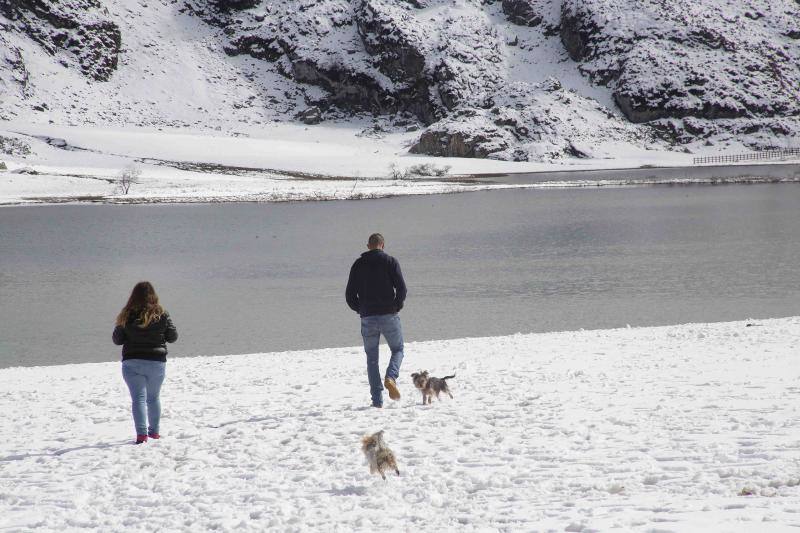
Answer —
58 453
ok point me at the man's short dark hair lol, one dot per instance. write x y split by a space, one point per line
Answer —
375 240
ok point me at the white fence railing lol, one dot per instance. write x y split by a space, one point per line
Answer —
752 156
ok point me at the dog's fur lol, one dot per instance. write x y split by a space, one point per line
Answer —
378 454
429 385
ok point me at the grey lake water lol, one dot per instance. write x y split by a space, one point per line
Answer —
241 278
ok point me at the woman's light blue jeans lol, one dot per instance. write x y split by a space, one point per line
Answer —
144 379
371 329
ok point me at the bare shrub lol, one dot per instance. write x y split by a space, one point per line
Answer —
397 173
127 177
420 170
13 146
428 169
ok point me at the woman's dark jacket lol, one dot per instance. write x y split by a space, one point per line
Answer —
145 342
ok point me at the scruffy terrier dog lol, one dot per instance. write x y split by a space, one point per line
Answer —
378 454
429 385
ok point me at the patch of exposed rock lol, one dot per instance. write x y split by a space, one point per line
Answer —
523 12
756 133
13 73
455 137
78 32
381 56
311 115
14 146
236 5
542 14
708 59
541 122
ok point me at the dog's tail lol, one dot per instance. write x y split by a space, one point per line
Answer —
448 377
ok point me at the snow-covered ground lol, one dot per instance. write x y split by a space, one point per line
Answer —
681 428
284 161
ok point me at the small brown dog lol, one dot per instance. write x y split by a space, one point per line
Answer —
378 454
429 386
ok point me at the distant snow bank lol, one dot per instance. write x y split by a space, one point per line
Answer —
692 427
55 164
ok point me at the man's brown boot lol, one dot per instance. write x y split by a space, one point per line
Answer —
391 386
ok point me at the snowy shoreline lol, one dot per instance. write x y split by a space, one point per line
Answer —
285 162
692 427
377 189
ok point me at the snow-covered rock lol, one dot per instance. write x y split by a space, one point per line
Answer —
378 55
14 146
443 63
712 60
523 12
13 74
474 75
529 122
77 33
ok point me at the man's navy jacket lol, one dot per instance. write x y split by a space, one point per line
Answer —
376 285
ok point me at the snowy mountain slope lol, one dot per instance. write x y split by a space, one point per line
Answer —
698 61
450 64
539 80
76 33
171 71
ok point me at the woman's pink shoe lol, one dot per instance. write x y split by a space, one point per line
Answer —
141 439
154 435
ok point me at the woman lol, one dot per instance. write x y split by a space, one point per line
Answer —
143 329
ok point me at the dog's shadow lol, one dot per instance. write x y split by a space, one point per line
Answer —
391 407
364 408
251 420
349 491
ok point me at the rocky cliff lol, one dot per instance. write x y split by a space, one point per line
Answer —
508 79
77 33
706 62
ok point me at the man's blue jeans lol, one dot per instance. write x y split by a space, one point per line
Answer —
144 379
371 329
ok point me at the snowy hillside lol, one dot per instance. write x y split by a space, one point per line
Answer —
519 80
679 428
721 66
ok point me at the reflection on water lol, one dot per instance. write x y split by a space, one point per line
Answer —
264 277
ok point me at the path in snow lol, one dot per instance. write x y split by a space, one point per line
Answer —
646 429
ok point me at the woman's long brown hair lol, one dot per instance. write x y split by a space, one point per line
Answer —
142 305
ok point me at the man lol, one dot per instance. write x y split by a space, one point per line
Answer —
376 291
